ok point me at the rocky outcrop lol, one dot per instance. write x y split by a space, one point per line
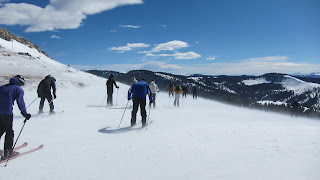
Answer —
7 35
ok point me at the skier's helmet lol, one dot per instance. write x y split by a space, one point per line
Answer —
20 79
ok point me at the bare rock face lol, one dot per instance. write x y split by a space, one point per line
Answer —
7 35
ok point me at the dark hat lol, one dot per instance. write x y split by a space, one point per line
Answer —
143 79
20 79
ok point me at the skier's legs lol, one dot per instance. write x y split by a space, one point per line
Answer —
143 111
154 100
109 99
134 111
7 127
50 101
41 104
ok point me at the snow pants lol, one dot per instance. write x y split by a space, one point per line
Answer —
154 100
109 99
176 99
47 97
136 103
6 127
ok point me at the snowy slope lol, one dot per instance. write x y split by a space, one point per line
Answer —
297 85
201 139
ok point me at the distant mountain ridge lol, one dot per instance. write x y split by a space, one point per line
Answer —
251 91
8 36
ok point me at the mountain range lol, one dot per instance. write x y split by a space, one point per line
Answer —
272 91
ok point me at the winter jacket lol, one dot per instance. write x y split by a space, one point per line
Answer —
154 87
170 87
140 89
8 94
45 86
177 89
110 83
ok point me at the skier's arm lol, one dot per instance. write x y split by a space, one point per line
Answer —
53 85
20 102
149 94
130 92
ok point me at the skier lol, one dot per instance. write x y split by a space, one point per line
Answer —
154 89
184 89
295 107
194 92
177 90
138 93
8 94
133 80
170 88
110 82
44 92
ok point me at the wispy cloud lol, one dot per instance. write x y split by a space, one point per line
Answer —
210 58
59 14
129 47
178 55
114 30
129 26
55 37
163 25
170 46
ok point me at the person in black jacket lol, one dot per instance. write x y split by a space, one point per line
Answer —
44 92
110 83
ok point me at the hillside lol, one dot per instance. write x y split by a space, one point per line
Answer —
273 91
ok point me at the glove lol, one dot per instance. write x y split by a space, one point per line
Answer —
151 102
54 96
39 95
129 99
27 116
117 87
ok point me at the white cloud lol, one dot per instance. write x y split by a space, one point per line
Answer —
243 67
187 55
55 37
210 58
170 46
149 65
129 26
129 47
59 14
164 25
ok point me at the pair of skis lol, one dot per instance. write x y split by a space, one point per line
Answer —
21 154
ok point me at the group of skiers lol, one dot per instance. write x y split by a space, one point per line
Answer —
12 92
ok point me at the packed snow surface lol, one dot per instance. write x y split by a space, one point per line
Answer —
201 139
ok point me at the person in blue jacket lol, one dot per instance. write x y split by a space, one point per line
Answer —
8 94
138 92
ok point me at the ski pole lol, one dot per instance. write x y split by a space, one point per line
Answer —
117 97
24 122
32 102
123 113
104 98
148 119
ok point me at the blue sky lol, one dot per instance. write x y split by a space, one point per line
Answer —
215 37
